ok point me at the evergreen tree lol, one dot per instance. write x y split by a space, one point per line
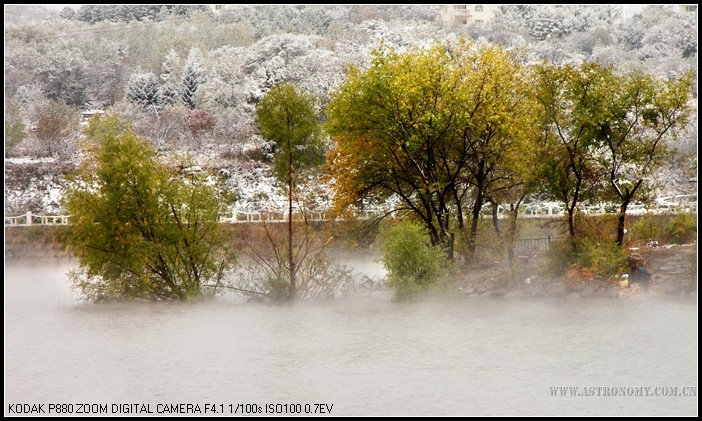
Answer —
169 91
143 89
193 77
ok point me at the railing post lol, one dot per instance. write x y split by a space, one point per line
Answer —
29 218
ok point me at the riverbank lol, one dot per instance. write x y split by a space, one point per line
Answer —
34 244
673 271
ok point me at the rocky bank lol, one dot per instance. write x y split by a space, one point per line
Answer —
673 269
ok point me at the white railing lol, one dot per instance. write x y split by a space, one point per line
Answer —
238 217
29 219
545 210
683 202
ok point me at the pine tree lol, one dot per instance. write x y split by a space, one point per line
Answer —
193 77
169 90
143 89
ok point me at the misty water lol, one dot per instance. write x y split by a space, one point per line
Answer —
358 356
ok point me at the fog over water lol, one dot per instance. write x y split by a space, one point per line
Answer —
364 355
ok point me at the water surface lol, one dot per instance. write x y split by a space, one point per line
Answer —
365 356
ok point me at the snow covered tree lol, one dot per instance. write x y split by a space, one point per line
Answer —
15 131
105 78
143 89
30 100
193 77
303 60
67 13
226 84
89 13
511 21
170 75
60 68
549 23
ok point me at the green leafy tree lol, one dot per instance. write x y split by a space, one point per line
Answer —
635 122
388 124
608 128
495 132
566 95
139 229
287 117
520 176
434 127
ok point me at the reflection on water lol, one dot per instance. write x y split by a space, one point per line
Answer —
366 356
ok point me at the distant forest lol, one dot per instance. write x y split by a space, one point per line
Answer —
156 64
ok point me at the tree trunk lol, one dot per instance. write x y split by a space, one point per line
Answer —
626 197
495 221
621 219
511 232
472 241
292 287
571 227
511 239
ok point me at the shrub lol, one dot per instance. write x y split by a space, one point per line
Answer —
648 227
56 124
678 228
682 228
605 259
265 273
414 267
199 122
15 131
595 253
559 257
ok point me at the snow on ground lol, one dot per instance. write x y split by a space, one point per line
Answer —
36 185
27 160
34 188
256 188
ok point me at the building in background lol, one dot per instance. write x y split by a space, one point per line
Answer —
218 8
629 10
471 14
688 8
467 14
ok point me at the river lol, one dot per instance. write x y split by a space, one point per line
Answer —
361 356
